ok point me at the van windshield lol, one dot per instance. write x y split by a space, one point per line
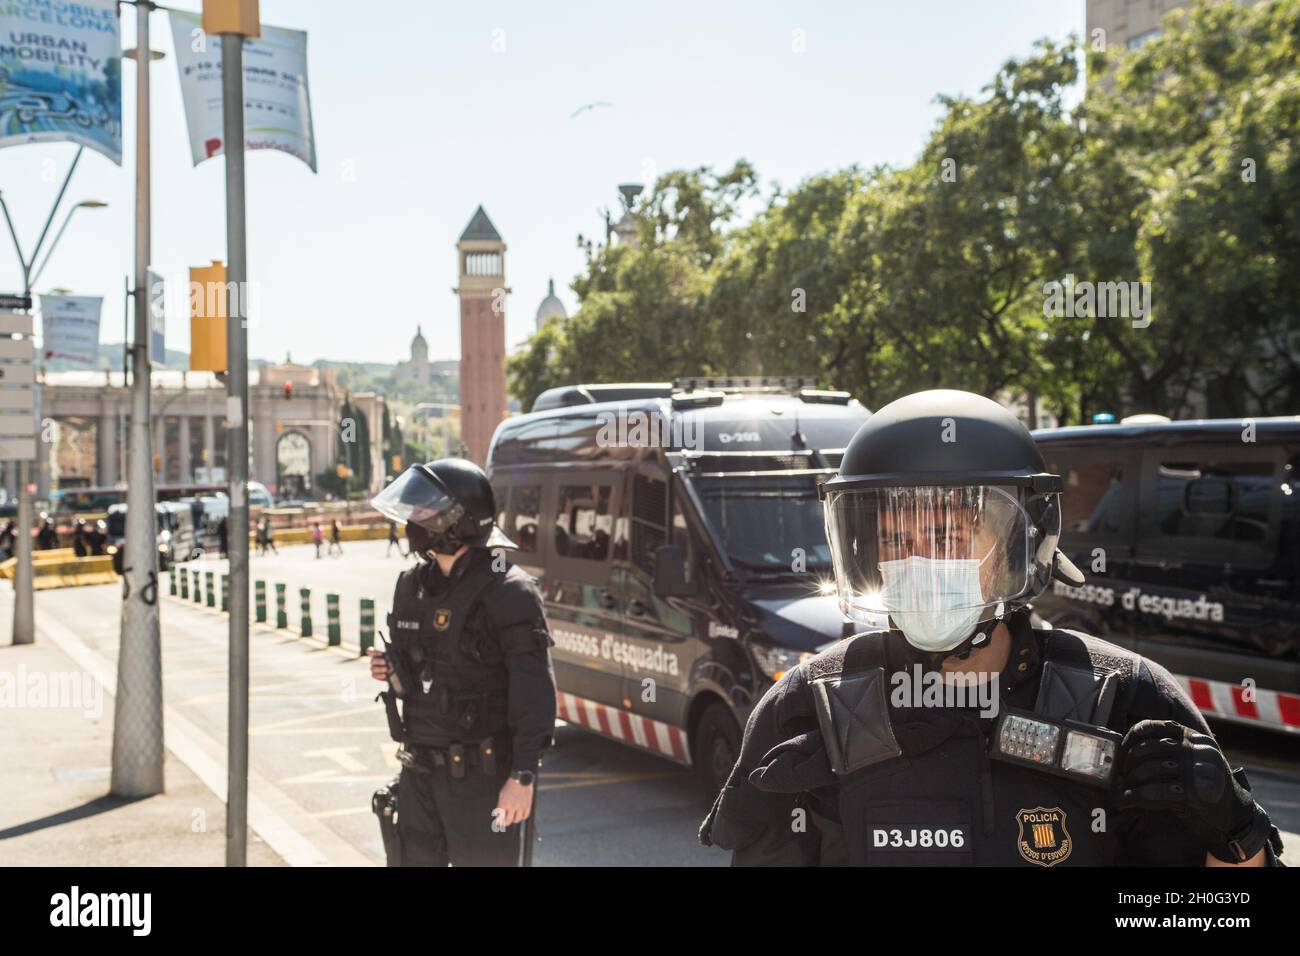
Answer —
762 520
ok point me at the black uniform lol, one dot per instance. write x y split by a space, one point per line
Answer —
941 800
472 661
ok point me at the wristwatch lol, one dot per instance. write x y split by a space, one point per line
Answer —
525 777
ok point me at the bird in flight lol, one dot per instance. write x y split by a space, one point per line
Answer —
589 106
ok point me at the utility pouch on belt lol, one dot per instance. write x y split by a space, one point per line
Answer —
853 713
456 761
487 756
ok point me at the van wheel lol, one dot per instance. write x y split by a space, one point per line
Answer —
717 745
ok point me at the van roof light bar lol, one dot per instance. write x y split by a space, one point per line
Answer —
745 383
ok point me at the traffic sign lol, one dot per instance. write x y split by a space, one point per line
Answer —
18 449
20 349
15 323
15 400
17 424
17 374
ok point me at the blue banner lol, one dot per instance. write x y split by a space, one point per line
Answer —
61 74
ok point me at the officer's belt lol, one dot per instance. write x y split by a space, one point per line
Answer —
454 757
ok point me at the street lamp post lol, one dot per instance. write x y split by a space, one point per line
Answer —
137 709
24 605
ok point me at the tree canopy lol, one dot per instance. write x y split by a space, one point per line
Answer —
1177 173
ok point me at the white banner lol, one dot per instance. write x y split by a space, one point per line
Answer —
61 74
277 102
70 329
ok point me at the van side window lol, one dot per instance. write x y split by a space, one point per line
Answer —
649 520
583 522
1091 502
522 520
1228 500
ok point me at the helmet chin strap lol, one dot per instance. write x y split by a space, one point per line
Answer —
981 636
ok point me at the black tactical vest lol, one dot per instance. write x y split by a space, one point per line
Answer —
927 792
451 674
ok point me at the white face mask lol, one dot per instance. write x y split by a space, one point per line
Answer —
951 588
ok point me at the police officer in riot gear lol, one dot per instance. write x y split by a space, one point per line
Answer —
469 661
956 729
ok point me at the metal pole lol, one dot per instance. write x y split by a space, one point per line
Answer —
137 713
232 95
24 585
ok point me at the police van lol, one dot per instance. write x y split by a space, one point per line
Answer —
677 537
1189 534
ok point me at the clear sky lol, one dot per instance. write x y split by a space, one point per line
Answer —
420 116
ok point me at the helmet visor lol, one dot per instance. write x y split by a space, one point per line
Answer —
930 548
416 497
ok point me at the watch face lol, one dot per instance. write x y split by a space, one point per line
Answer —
525 777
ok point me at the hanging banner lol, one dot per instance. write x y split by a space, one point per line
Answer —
70 329
61 74
157 319
277 102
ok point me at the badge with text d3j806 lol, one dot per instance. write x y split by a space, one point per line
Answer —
442 619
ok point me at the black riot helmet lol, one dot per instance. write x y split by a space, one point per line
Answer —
444 504
943 518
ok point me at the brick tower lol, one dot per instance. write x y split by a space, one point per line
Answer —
482 291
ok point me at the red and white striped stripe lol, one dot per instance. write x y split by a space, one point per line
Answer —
1273 709
625 726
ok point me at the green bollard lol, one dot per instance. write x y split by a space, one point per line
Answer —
281 607
367 624
332 626
210 587
225 592
185 584
305 594
171 579
198 588
259 599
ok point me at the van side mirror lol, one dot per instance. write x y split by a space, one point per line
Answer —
670 573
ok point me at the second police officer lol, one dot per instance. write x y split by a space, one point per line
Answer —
954 731
469 660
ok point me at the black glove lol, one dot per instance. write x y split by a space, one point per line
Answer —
1164 765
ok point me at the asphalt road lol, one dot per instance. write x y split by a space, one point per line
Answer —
320 745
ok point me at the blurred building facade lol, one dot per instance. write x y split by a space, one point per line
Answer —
295 412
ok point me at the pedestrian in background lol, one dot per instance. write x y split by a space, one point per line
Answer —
223 535
393 539
317 536
336 538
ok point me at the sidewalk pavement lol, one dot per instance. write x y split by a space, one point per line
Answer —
56 747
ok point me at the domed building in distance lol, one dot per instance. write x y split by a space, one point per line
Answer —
419 367
550 306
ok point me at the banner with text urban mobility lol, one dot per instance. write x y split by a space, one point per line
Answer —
70 329
277 102
61 74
